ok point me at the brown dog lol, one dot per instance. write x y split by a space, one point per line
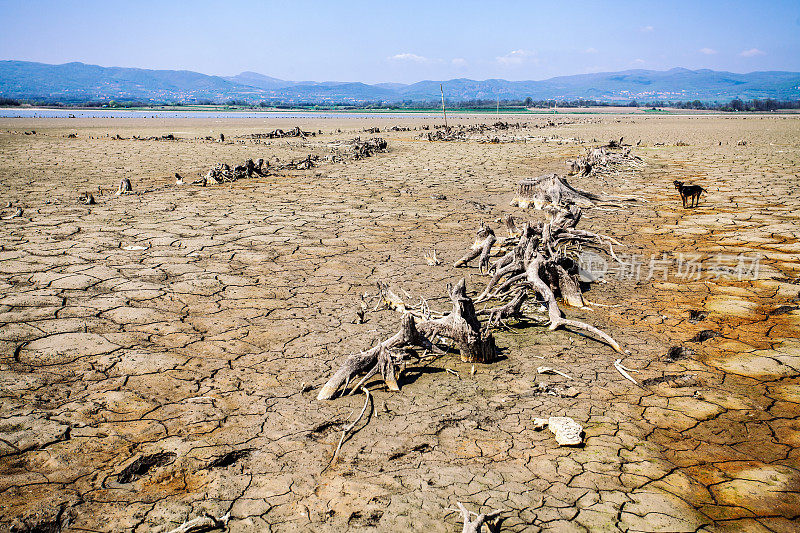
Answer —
692 192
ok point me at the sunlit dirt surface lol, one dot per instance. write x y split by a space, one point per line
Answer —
199 321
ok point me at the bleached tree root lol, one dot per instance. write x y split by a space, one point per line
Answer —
461 325
513 308
367 362
544 261
124 186
475 526
205 522
350 427
554 313
481 247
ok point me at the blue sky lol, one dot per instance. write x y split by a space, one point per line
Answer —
379 41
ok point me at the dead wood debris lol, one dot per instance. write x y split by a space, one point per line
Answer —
548 370
205 522
124 187
461 326
142 465
624 371
86 198
14 214
223 173
356 149
475 526
308 162
542 262
431 259
350 426
705 335
553 190
481 247
604 159
536 263
362 149
482 133
280 134
167 137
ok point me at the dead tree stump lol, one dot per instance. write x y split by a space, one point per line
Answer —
461 326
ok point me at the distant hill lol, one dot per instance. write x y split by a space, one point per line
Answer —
77 82
81 82
254 79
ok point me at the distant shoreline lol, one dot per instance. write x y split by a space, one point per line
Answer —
242 112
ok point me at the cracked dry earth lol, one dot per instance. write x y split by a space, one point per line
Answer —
160 351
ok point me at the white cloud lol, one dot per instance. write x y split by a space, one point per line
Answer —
639 61
406 56
753 52
707 51
590 50
516 57
646 29
459 62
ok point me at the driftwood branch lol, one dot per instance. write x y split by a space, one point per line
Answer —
350 427
482 247
474 526
206 522
554 313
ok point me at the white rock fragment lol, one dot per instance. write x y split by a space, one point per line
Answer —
566 430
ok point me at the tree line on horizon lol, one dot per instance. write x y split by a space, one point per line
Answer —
735 105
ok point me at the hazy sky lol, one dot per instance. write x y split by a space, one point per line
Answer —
381 41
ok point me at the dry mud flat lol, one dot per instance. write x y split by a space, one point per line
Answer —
160 351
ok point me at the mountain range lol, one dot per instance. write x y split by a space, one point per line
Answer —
79 82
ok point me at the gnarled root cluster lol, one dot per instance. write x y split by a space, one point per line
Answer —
553 191
461 326
362 149
303 164
481 247
540 263
280 134
223 173
471 132
356 149
603 158
536 263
